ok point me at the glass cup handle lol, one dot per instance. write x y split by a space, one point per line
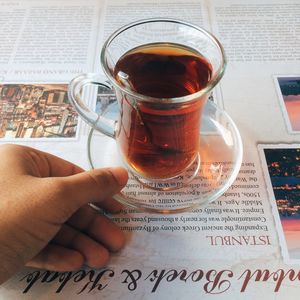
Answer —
98 122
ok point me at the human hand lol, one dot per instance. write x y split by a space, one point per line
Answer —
45 221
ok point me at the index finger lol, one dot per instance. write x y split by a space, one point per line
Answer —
30 161
53 166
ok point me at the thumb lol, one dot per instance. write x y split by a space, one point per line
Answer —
90 186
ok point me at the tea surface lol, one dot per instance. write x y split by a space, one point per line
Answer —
164 70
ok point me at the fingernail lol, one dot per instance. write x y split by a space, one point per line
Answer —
120 174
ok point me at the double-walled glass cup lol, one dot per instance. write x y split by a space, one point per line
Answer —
158 137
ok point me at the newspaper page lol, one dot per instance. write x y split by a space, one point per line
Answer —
230 249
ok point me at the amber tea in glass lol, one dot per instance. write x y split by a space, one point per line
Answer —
156 140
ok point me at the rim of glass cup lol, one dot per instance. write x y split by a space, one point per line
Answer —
212 83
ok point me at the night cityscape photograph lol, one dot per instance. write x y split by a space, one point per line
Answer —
284 170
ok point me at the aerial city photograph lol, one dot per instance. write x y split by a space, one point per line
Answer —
36 111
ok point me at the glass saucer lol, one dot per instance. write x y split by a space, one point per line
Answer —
220 160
